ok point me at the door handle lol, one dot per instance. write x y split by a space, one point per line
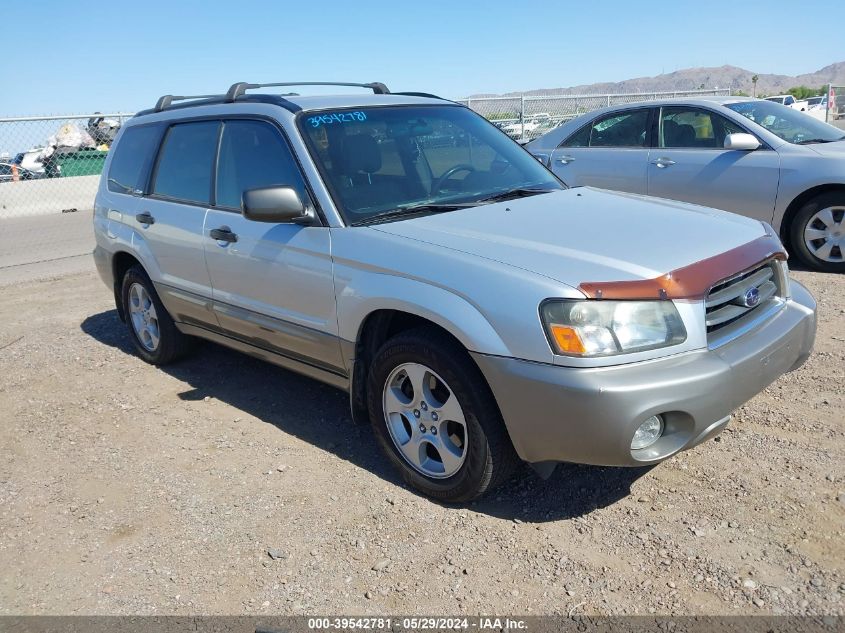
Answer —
223 234
565 160
145 218
663 162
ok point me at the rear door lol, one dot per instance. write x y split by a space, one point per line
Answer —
611 152
273 285
689 163
169 222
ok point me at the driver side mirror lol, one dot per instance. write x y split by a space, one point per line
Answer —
276 204
741 141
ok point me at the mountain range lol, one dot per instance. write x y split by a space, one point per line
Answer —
737 79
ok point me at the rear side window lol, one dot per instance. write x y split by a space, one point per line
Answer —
253 154
186 162
132 158
581 138
627 129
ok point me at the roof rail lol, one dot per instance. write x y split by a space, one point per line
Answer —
420 94
166 100
240 88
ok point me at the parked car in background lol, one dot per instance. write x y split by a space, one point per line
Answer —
749 156
813 102
474 309
532 126
789 101
29 161
10 172
817 108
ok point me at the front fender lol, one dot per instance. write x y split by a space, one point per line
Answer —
371 292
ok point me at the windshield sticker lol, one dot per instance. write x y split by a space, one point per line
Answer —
336 117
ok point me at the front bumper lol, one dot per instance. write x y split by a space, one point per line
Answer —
589 416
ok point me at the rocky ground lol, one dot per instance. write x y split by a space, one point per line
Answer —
222 485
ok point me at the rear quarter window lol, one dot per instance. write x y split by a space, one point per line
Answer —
133 156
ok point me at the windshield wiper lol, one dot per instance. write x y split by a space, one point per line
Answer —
519 192
807 141
414 209
442 207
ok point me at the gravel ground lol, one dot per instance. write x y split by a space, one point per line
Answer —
223 485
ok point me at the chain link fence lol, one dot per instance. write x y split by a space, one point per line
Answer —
50 168
525 117
52 164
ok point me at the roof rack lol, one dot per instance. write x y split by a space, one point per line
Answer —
240 88
419 94
166 100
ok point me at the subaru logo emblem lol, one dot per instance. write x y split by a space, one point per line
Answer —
751 298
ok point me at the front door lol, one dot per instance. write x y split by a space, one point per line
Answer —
689 163
272 283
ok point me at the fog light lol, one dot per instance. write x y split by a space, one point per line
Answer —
648 433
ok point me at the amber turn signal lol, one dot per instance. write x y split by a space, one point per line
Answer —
567 339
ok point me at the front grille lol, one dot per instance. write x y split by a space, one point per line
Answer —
740 298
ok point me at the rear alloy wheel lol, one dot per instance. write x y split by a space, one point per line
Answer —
436 419
143 316
818 233
156 338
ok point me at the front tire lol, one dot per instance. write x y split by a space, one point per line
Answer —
151 328
436 418
817 233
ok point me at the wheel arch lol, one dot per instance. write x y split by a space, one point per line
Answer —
121 262
798 202
375 329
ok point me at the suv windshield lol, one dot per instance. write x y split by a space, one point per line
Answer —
391 161
790 125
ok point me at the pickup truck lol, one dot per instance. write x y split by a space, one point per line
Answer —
790 101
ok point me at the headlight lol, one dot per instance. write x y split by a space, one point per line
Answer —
605 328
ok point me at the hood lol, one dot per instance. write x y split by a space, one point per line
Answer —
584 234
835 149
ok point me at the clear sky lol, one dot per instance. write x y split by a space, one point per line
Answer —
65 56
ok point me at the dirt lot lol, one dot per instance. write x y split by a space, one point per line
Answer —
129 489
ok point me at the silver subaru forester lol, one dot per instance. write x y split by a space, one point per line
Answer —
478 313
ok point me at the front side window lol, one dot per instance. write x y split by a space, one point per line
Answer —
132 158
787 123
394 158
186 162
693 128
626 129
253 154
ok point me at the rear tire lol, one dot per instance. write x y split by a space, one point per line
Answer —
817 233
151 328
445 435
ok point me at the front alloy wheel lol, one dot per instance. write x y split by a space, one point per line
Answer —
425 420
436 418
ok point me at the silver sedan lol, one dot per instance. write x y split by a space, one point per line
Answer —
749 156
